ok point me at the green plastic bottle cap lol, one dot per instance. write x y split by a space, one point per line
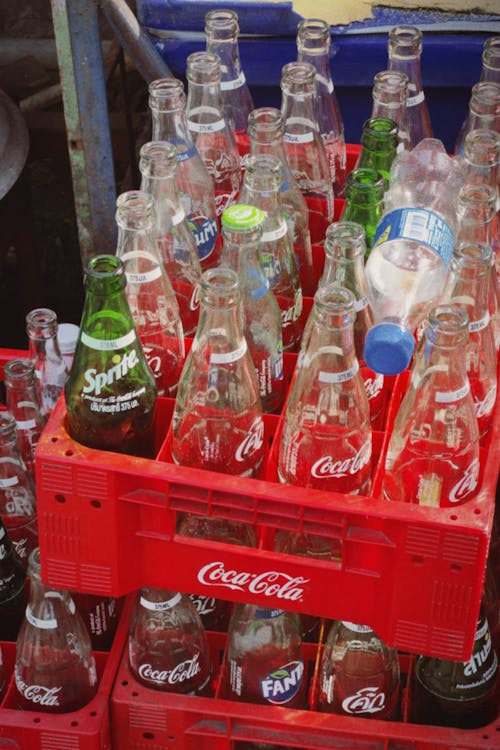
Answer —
240 217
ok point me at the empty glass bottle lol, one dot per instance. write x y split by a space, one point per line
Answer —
55 668
261 188
149 292
17 492
404 52
359 674
433 453
22 400
167 102
168 646
50 368
265 130
313 46
389 93
303 145
222 29
211 133
364 193
484 111
379 142
100 616
110 392
490 71
242 232
12 588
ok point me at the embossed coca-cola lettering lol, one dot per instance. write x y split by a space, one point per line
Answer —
328 467
368 700
373 386
485 407
184 671
253 441
269 583
21 547
466 484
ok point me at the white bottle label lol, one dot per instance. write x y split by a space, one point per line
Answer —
356 628
449 397
206 127
49 624
236 83
108 345
338 377
275 234
479 325
225 358
160 606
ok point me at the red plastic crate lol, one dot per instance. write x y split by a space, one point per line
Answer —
85 729
142 718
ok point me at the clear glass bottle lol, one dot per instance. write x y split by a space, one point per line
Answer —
50 368
327 438
22 400
242 232
55 668
433 453
167 103
484 111
379 142
100 616
110 392
264 661
364 201
17 492
404 52
389 94
222 30
313 46
490 71
261 188
168 647
12 588
265 131
344 265
211 133
217 421
359 674
304 146
149 292
468 285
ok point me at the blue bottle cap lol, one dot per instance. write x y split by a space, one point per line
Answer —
388 348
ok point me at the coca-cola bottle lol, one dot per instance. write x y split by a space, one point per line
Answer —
264 661
17 492
214 613
100 615
12 588
167 103
327 438
458 694
389 94
110 392
359 674
168 646
55 669
484 111
261 188
23 402
174 239
433 453
490 71
149 292
50 368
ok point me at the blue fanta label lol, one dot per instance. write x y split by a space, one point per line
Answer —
283 684
419 225
205 234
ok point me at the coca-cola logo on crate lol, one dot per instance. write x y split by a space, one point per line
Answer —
270 583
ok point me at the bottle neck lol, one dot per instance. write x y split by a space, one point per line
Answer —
318 58
172 126
228 52
168 207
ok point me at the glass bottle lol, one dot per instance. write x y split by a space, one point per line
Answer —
50 368
490 60
217 421
242 232
404 53
12 588
327 438
313 46
110 392
457 694
100 616
484 111
389 94
468 285
17 492
167 103
264 661
364 201
303 145
214 613
222 29
344 265
261 188
379 142
168 646
22 401
209 129
148 290
433 453
175 241
265 131
55 668
359 674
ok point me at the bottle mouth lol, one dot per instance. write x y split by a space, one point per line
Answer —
19 369
298 78
166 95
447 325
405 41
312 35
8 426
41 323
345 239
158 159
265 123
104 267
336 303
203 67
482 148
222 24
219 284
134 210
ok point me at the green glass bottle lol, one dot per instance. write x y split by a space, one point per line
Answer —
110 392
379 142
364 192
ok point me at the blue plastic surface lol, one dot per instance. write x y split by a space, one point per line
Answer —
388 348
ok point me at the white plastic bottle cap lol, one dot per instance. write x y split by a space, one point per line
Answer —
67 336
